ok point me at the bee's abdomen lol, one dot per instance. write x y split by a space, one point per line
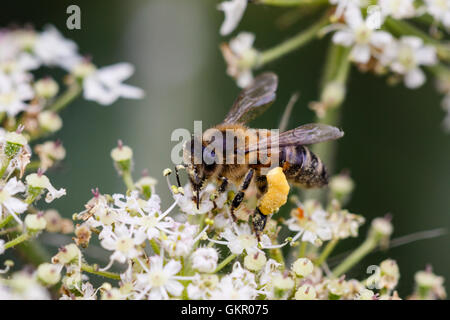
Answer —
303 167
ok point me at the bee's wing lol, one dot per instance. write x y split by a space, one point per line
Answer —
306 134
253 100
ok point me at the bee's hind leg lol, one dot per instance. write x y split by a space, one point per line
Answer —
239 197
259 222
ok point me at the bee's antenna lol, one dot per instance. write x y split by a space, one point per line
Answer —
178 176
197 197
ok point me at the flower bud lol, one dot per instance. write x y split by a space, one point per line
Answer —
341 186
303 267
122 157
37 182
49 121
35 222
255 262
112 294
205 259
365 294
67 254
83 69
306 292
333 94
282 282
49 274
146 185
14 143
53 220
83 236
381 228
46 88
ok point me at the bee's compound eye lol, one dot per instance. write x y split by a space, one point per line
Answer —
209 156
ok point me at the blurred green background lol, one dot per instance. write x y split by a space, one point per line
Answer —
394 145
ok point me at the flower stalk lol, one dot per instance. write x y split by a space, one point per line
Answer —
292 44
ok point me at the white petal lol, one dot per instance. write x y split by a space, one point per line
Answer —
360 53
414 78
353 17
172 267
343 37
233 10
115 73
174 287
381 39
426 56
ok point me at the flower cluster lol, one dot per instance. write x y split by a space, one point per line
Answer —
181 253
29 106
377 36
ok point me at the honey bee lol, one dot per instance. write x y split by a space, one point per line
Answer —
295 163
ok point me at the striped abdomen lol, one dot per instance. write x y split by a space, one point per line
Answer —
303 167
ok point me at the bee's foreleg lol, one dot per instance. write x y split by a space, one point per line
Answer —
259 223
223 186
237 200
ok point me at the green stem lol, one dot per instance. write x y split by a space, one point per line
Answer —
14 242
154 246
292 44
337 68
289 3
5 221
33 165
302 250
128 180
400 27
94 270
66 98
277 255
367 246
4 167
326 251
226 261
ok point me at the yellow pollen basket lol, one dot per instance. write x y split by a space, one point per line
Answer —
277 192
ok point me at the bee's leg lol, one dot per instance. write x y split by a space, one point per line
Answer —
223 186
177 176
259 222
237 200
259 219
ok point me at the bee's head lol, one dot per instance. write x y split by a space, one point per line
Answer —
200 164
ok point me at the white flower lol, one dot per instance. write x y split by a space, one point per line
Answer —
361 35
345 224
205 259
2 246
233 10
123 241
311 223
343 5
11 204
230 288
190 207
240 238
14 93
181 239
159 280
398 9
240 57
202 286
439 10
55 50
105 85
410 53
151 220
